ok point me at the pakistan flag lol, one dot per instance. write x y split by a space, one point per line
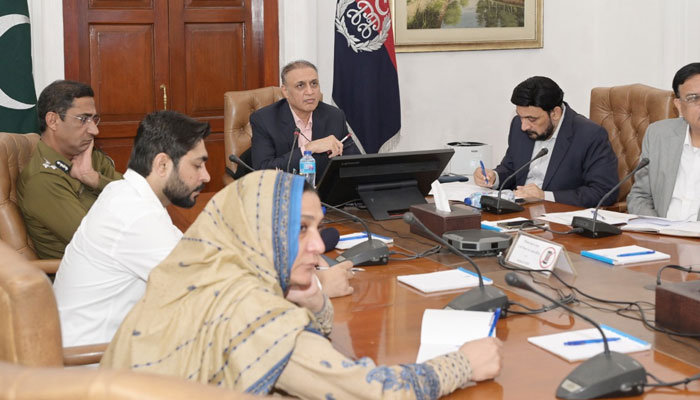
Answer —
17 96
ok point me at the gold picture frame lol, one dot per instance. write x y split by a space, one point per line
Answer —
525 32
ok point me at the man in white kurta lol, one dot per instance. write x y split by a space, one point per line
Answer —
128 231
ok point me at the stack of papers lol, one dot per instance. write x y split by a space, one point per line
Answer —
609 217
584 344
663 226
445 331
625 255
347 241
450 279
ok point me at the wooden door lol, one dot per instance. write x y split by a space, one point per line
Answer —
134 52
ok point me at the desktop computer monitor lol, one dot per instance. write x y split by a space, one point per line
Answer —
388 183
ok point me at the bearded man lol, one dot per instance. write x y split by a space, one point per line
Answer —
580 167
128 230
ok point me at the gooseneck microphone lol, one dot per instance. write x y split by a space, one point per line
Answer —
297 132
482 298
500 206
608 374
330 237
370 252
237 160
591 227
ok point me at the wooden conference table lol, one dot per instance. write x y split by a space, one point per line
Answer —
382 318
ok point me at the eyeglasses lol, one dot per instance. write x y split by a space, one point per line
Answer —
84 120
693 99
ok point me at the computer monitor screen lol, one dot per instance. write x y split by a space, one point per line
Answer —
388 183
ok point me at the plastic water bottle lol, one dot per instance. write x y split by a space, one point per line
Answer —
307 168
474 199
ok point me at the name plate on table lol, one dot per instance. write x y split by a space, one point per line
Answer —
532 252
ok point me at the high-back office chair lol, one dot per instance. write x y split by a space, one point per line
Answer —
237 131
15 152
30 330
22 382
626 112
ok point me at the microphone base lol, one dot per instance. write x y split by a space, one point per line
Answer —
370 252
604 375
491 205
487 298
601 228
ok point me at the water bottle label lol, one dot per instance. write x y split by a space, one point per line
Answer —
307 168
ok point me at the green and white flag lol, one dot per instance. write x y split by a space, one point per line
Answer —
17 95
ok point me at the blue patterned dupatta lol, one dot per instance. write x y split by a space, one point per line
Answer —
214 309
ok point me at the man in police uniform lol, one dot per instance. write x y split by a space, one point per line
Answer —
65 174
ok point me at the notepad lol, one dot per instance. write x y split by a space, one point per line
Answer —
663 226
444 331
450 279
625 255
555 343
351 239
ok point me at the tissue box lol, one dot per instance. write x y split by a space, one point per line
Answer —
439 222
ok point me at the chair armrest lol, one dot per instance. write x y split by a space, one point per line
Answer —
83 355
49 266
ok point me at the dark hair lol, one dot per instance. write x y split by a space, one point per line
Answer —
538 91
684 74
166 132
295 65
58 97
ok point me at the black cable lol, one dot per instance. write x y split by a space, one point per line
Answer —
546 228
644 319
673 266
668 384
415 256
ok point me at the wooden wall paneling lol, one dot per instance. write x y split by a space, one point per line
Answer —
198 49
123 84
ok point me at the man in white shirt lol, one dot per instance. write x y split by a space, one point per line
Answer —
670 186
128 231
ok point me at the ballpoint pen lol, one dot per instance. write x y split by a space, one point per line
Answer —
496 315
483 171
636 253
589 341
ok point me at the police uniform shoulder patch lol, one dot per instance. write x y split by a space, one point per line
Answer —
62 166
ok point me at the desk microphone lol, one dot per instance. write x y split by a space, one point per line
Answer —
608 374
237 160
591 227
370 252
297 132
482 298
500 206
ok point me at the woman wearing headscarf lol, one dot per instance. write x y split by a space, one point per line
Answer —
236 304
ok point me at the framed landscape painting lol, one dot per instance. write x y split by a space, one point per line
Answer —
452 25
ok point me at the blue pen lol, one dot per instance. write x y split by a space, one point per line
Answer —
637 253
496 315
483 171
589 341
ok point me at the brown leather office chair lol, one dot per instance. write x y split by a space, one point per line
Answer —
15 152
20 382
30 330
626 112
238 106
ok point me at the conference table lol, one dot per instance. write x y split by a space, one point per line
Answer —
382 318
